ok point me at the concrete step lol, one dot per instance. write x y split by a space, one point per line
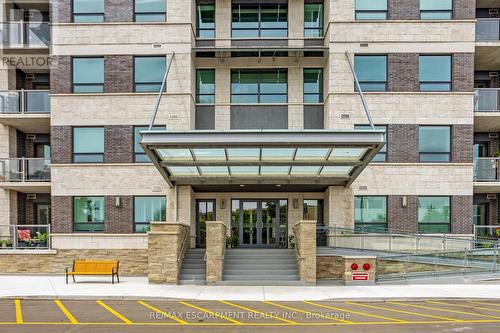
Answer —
194 266
201 271
192 277
254 267
247 277
273 272
189 260
262 283
261 262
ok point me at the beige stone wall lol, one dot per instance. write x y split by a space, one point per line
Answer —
215 249
99 241
305 248
339 206
133 262
329 267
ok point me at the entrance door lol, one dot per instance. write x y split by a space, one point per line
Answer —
259 223
43 213
205 211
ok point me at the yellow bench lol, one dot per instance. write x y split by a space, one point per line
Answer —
94 267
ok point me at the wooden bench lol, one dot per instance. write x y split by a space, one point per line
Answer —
94 267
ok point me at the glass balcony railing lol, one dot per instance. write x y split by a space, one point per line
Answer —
486 169
488 30
25 34
25 237
25 170
24 101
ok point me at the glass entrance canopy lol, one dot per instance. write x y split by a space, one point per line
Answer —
262 157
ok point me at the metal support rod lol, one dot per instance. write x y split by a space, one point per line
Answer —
163 84
361 95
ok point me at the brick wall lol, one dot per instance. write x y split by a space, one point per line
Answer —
118 143
402 218
119 10
402 143
21 208
461 214
20 144
402 72
119 220
118 74
60 75
462 142
61 144
403 9
464 9
60 11
62 214
463 72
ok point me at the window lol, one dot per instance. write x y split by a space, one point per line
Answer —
313 85
149 73
205 18
434 214
371 71
88 11
259 86
382 154
313 20
88 214
436 9
150 10
88 144
435 73
140 155
148 209
205 86
371 9
262 20
434 143
88 75
370 213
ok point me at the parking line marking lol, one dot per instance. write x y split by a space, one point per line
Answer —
66 312
406 312
116 313
19 311
180 321
484 303
465 306
211 312
308 312
356 312
445 310
259 312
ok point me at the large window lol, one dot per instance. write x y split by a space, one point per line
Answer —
313 20
434 143
313 85
150 10
371 9
382 154
88 214
205 18
370 213
149 73
260 20
434 214
205 86
435 73
371 71
140 155
88 11
88 144
259 86
148 209
88 75
436 9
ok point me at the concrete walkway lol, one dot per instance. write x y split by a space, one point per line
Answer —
32 286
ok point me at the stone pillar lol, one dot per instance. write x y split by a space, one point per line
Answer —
296 23
166 248
305 247
215 249
339 207
223 17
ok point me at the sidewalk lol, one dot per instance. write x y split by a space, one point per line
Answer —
31 286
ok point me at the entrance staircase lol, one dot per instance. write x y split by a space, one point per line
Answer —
193 270
257 267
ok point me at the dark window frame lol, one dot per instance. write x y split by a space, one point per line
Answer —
448 224
380 153
148 13
379 226
449 154
135 223
450 11
73 14
322 28
198 29
103 223
143 153
198 224
259 29
134 69
375 11
259 93
87 84
385 83
200 94
73 154
320 94
450 83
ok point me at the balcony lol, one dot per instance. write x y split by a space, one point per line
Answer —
25 34
488 30
29 175
25 110
486 175
24 237
487 100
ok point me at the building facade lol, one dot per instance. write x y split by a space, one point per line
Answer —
71 129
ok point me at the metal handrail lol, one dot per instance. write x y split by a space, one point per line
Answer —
183 245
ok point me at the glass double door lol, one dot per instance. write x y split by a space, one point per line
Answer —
259 223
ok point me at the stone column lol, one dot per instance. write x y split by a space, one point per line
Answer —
305 247
166 248
215 249
296 23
